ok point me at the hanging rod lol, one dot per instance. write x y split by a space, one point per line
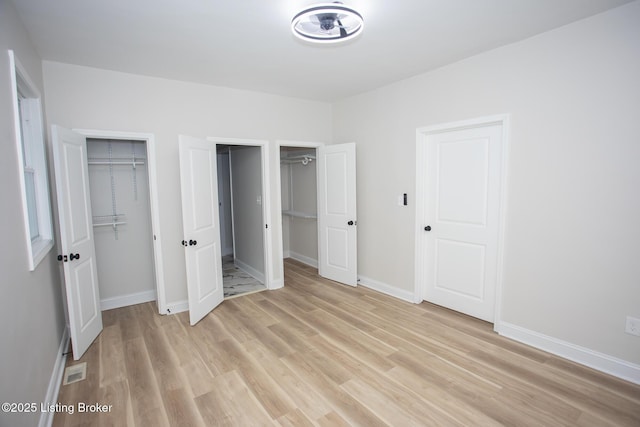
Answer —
109 224
98 217
112 220
297 214
304 159
123 161
300 156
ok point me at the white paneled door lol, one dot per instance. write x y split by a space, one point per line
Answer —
460 226
201 225
76 236
337 236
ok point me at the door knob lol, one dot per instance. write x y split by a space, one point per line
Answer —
427 228
74 256
193 242
350 223
184 243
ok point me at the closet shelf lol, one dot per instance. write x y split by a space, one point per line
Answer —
109 224
297 214
108 220
117 161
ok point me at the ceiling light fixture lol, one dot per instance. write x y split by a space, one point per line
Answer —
327 23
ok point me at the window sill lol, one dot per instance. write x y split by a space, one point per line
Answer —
39 250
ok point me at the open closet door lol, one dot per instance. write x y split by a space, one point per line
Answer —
337 236
199 184
76 237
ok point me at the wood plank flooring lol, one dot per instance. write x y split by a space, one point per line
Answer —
317 353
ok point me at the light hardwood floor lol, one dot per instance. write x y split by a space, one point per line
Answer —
319 353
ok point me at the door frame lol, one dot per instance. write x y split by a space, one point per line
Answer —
149 140
278 196
422 133
269 281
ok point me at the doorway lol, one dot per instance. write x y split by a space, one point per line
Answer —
201 215
239 170
121 213
298 189
145 174
460 192
76 221
336 218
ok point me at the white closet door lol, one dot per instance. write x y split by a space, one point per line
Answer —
76 236
337 236
461 223
201 225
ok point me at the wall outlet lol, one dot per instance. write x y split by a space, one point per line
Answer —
633 326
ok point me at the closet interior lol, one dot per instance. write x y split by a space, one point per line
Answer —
241 218
121 209
299 204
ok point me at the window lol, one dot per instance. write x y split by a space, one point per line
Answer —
32 164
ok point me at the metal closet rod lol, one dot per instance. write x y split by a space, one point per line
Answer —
119 161
300 156
114 220
304 159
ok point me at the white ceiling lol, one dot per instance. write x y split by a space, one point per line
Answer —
247 44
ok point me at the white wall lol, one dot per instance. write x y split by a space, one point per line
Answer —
572 269
81 97
248 222
32 317
224 199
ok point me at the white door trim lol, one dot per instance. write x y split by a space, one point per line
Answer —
420 241
269 281
149 140
278 199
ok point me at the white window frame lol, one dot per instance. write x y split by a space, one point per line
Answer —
30 147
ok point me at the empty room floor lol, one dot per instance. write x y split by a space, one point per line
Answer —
319 353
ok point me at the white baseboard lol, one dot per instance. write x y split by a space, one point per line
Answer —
602 362
276 284
177 307
386 289
249 270
46 417
303 259
126 300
